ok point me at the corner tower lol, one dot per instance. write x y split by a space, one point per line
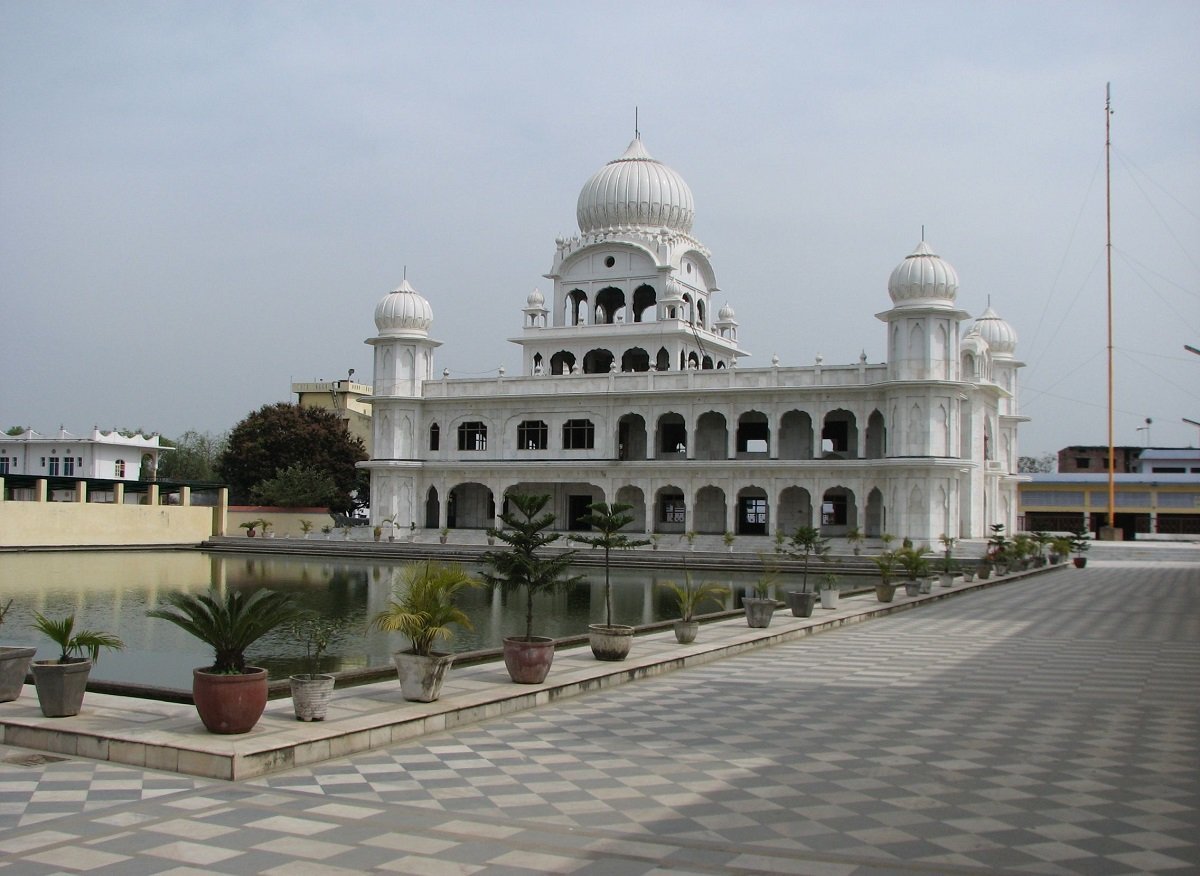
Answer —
633 291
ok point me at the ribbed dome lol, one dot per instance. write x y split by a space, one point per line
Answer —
725 314
1000 336
635 190
535 299
923 276
403 311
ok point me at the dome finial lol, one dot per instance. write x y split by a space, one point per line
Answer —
637 135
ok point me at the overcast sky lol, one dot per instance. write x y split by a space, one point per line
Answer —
202 202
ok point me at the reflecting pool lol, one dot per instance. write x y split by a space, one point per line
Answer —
110 591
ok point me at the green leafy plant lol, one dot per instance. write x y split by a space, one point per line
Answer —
829 581
913 561
251 526
4 612
522 567
885 561
229 623
806 544
729 538
998 544
608 520
855 538
947 553
74 644
689 597
318 634
306 526
1080 542
424 604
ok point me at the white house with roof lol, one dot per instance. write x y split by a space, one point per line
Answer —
632 389
100 455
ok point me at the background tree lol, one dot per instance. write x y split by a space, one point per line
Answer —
279 436
194 457
297 486
1047 462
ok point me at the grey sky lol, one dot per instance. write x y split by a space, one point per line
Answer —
201 202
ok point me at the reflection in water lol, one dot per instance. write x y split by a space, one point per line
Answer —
111 591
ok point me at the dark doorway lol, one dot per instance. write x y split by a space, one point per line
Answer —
577 509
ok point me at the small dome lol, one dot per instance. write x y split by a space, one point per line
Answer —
673 291
1000 336
535 299
725 314
635 190
923 276
403 311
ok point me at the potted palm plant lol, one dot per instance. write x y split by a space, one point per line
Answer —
855 538
830 592
947 573
806 544
14 664
609 641
424 607
229 695
885 561
312 689
61 683
729 538
524 567
760 607
1080 543
1060 549
912 560
688 598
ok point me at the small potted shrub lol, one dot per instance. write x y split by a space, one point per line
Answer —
855 538
522 568
251 527
916 567
14 664
760 607
609 641
311 689
885 561
947 573
266 528
1060 549
377 532
830 592
1080 543
729 538
806 544
691 540
306 527
229 695
444 534
424 607
61 683
688 598
326 530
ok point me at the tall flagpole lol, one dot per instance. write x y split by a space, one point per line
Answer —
1112 460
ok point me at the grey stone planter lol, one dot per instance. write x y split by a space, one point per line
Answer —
60 686
14 665
759 612
421 676
610 642
311 695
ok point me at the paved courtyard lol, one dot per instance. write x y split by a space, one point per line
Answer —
1050 726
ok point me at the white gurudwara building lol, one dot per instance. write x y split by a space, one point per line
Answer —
631 390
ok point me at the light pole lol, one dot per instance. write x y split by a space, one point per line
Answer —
1146 429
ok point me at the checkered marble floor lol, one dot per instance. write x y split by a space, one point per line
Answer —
1050 726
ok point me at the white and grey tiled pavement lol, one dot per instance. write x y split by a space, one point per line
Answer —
1050 726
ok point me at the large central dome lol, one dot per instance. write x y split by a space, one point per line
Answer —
635 190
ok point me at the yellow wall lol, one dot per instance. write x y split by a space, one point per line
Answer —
42 524
285 522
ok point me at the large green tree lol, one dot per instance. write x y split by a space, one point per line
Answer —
281 436
194 457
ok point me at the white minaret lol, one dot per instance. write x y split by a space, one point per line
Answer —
403 362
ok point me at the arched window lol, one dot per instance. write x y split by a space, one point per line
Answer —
472 436
435 437
577 307
532 435
610 301
662 362
562 362
578 435
537 363
644 300
701 313
635 359
119 468
597 362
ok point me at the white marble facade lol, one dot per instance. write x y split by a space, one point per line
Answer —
631 390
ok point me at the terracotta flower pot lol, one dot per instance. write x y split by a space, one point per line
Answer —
421 676
311 695
14 665
229 704
610 642
60 686
686 631
528 660
759 612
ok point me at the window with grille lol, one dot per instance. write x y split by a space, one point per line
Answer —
579 435
472 436
533 435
